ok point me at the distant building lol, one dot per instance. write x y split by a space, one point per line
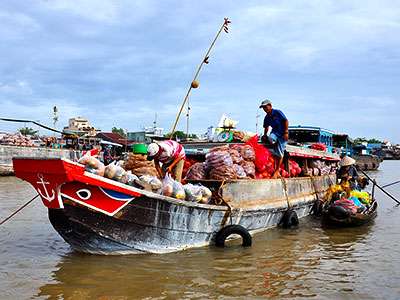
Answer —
113 138
80 126
147 135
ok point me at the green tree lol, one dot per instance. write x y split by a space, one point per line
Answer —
360 140
375 141
177 134
27 131
120 131
363 139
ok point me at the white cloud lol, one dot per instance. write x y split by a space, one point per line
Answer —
119 62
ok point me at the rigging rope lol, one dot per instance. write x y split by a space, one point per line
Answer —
18 210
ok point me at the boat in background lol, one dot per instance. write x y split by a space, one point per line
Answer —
337 216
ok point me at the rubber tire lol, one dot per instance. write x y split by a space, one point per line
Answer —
223 234
289 219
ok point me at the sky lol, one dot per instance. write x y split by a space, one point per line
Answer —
331 64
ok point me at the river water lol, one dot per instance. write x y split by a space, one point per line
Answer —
307 262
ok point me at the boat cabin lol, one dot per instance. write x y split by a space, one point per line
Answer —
344 143
308 135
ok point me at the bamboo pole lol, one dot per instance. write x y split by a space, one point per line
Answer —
223 27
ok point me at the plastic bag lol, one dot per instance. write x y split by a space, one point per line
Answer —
114 171
197 193
152 181
194 193
167 186
262 154
178 191
206 194
92 164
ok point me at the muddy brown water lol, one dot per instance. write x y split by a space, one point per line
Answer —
304 263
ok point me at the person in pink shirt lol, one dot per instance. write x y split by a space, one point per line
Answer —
169 157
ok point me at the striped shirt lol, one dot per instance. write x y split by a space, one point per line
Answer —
169 151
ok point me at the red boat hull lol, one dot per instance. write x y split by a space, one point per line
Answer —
55 179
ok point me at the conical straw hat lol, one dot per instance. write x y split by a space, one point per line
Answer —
347 161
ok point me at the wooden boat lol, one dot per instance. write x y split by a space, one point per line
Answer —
98 215
334 215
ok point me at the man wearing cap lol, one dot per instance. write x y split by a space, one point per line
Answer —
279 135
169 157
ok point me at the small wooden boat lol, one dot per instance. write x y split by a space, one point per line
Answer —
338 216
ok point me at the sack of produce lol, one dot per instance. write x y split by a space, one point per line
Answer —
218 158
294 167
223 148
318 146
139 165
249 168
240 173
262 154
235 155
152 171
196 172
245 151
222 172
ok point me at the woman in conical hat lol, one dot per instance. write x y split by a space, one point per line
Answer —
348 172
347 161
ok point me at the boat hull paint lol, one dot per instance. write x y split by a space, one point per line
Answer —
156 225
98 215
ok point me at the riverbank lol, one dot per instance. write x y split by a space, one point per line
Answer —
8 152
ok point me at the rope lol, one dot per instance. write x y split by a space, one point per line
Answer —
221 200
315 188
285 190
18 210
30 121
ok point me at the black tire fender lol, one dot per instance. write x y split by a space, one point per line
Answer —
223 234
338 212
289 219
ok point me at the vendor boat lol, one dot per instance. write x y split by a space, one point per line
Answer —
101 216
338 216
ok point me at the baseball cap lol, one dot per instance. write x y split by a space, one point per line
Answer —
265 102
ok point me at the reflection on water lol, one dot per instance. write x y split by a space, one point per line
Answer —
308 262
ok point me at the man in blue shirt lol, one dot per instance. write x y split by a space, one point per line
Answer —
279 134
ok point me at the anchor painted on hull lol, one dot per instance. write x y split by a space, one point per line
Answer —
44 183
